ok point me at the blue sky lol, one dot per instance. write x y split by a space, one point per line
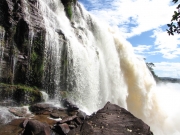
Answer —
143 24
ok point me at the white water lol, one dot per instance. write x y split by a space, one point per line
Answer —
5 115
2 34
101 67
169 102
45 96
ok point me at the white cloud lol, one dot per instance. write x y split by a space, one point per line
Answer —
136 16
167 45
141 48
167 69
133 17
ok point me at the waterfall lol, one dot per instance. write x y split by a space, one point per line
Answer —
2 34
98 67
45 96
89 63
90 60
6 116
54 19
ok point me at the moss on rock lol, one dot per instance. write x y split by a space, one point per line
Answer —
21 94
68 6
37 60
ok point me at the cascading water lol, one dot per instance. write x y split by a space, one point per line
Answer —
53 43
2 34
6 116
93 65
91 62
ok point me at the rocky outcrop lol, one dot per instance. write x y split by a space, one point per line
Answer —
111 119
34 127
17 95
22 35
70 106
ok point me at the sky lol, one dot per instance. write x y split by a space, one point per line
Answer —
143 23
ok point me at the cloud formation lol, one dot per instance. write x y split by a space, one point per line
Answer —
165 69
134 16
168 46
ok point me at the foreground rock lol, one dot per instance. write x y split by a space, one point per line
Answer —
110 120
18 95
36 128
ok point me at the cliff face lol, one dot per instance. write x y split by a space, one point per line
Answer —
22 36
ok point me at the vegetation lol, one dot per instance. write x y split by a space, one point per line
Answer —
37 60
150 66
174 27
69 11
21 94
68 7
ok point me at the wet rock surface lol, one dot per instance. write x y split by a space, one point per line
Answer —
34 127
70 106
111 119
18 111
18 25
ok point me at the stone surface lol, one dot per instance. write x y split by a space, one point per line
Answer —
48 109
112 120
18 95
63 128
67 119
18 111
12 128
17 23
36 128
70 106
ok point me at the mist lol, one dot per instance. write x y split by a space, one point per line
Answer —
168 98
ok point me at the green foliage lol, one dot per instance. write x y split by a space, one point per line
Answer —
21 94
37 60
68 5
69 11
174 27
150 66
34 56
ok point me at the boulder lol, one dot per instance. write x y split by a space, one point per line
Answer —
67 119
48 109
112 120
41 108
12 128
34 127
82 115
62 129
18 111
70 106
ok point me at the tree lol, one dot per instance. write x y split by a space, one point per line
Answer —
150 66
174 27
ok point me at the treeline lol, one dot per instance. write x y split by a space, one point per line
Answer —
150 66
169 79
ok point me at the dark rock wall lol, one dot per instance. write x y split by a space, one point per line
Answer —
22 54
